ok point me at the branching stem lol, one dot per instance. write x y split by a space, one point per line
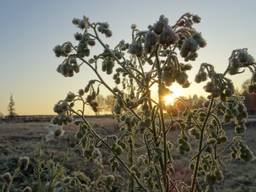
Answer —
193 184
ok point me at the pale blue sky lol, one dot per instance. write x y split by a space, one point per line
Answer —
31 28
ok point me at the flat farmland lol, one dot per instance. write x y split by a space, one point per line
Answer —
28 139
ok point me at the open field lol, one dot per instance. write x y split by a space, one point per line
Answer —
19 139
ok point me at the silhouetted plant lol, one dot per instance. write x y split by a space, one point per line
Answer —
157 56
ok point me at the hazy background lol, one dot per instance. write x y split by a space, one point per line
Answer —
29 29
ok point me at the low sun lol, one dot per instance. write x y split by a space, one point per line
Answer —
176 92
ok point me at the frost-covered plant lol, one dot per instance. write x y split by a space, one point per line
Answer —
155 57
8 178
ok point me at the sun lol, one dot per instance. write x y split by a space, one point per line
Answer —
176 92
169 100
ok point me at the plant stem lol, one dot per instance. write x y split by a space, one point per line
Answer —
162 123
130 157
193 185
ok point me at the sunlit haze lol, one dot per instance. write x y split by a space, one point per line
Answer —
30 29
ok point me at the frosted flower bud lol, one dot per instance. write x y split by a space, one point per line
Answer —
245 153
219 175
91 42
222 139
199 39
192 56
209 87
51 132
67 47
86 52
133 26
194 132
7 177
78 36
23 163
27 189
181 78
198 78
72 60
76 68
87 88
82 49
105 25
189 45
203 76
81 24
108 33
81 92
70 96
58 50
186 67
118 80
76 21
211 141
240 129
136 49
186 84
150 39
167 36
158 26
117 149
101 29
58 108
243 56
118 54
109 180
196 19
58 132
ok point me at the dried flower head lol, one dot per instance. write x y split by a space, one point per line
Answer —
27 189
23 163
7 177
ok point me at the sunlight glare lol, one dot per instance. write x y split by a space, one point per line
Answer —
176 92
